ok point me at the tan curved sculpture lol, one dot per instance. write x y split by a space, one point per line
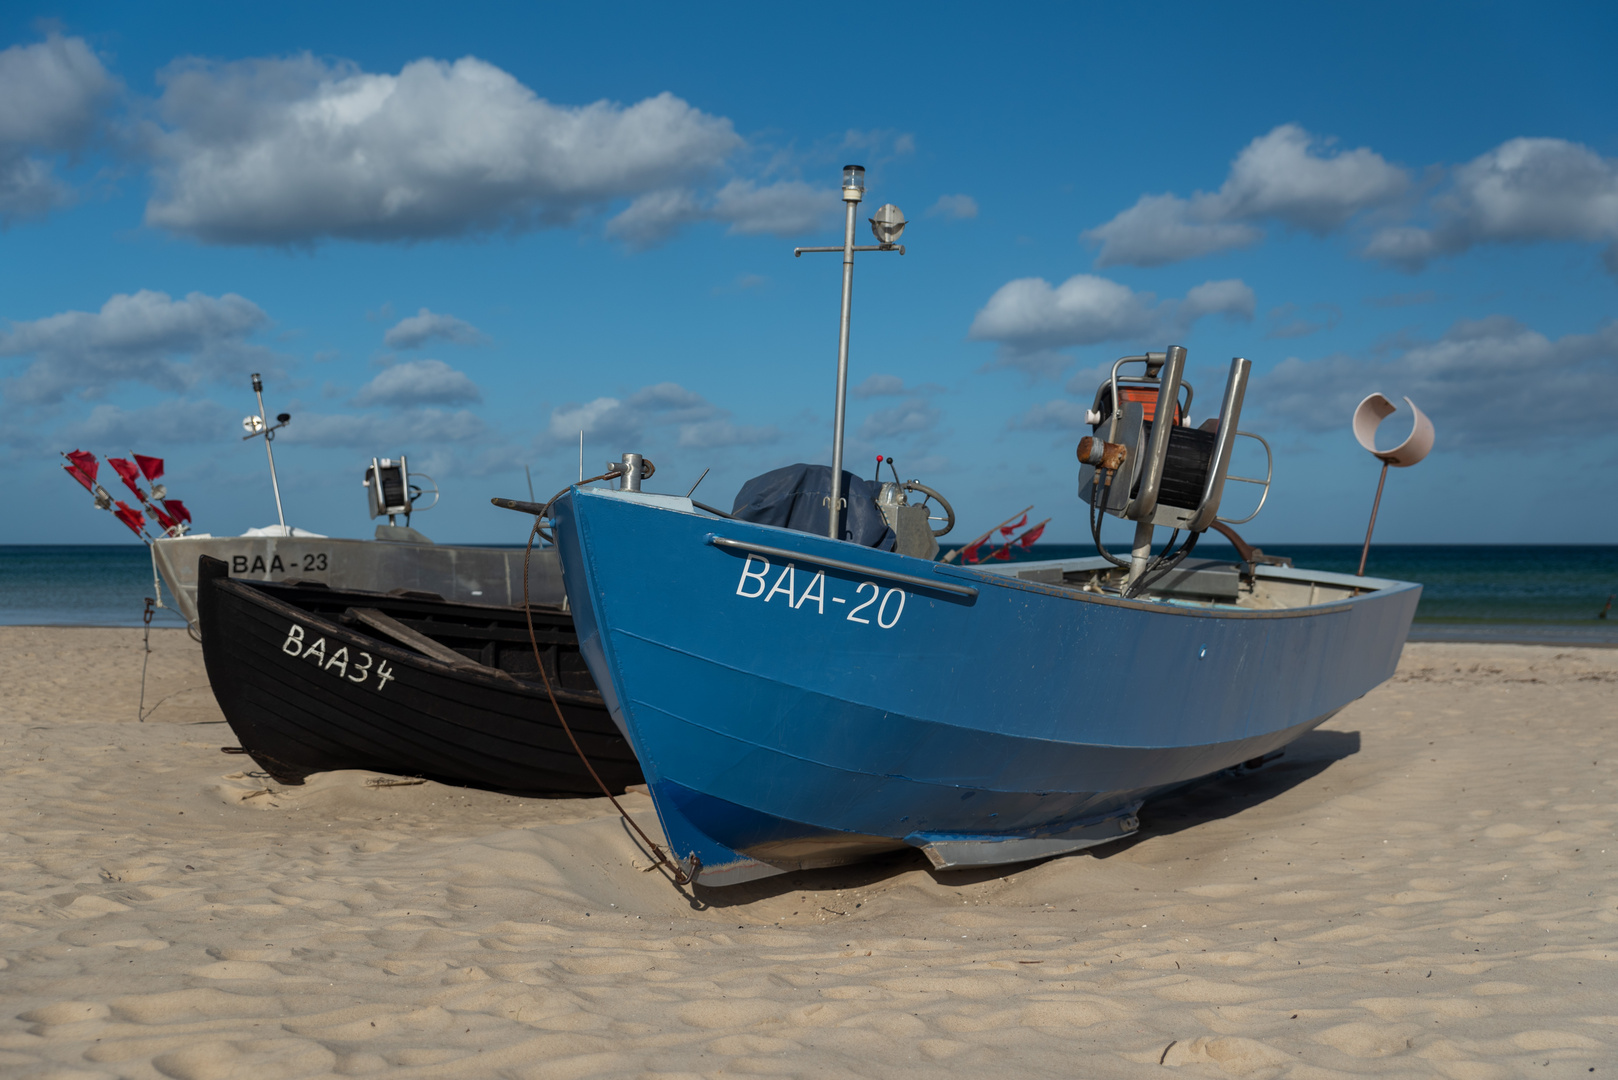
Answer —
1376 408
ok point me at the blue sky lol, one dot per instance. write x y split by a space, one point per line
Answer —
466 232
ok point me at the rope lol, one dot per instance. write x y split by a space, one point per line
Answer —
680 876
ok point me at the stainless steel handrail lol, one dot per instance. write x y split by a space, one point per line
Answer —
1230 415
840 564
1145 380
1269 474
1151 474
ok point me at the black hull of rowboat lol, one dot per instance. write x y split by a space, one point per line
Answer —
299 707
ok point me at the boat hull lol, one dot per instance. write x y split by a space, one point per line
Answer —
789 714
457 574
356 701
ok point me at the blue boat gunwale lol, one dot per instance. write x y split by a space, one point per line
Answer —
847 551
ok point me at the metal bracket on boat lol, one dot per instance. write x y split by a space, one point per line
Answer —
840 564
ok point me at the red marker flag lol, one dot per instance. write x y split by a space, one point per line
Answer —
1007 530
177 508
151 467
130 517
129 474
89 485
1003 553
86 463
969 554
162 518
1027 539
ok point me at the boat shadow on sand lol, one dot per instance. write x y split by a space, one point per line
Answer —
1222 795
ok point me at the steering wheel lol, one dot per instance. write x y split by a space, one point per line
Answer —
943 503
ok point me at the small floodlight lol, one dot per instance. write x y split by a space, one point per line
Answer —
853 183
888 224
281 418
252 424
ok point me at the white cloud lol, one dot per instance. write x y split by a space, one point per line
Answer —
1029 317
1231 298
1287 176
1162 229
28 188
51 97
1290 321
707 434
653 413
1477 383
784 208
654 218
910 417
298 150
419 382
877 145
1060 414
424 326
51 93
1029 313
1278 176
955 207
116 429
1522 191
879 386
424 427
136 337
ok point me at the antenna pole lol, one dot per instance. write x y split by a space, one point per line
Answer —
842 374
258 391
1366 550
581 455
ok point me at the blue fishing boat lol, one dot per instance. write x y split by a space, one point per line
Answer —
804 697
796 701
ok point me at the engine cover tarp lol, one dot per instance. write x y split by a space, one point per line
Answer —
795 497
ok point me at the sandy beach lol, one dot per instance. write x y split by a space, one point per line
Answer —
1427 885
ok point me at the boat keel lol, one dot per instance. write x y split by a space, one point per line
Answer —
954 851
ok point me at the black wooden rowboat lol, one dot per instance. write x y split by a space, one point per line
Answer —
312 679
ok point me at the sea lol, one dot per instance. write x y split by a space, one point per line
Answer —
1552 594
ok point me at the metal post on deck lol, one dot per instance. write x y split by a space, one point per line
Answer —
260 426
851 200
1366 550
887 224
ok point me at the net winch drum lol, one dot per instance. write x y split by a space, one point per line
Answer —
1171 474
389 489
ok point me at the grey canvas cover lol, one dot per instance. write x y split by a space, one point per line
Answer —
795 497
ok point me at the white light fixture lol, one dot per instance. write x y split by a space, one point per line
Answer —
853 183
888 224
